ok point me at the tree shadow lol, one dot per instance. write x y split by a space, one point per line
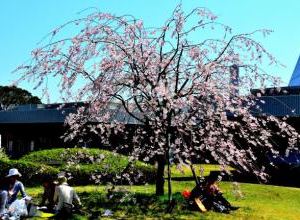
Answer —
134 205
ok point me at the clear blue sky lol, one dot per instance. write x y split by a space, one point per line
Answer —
25 22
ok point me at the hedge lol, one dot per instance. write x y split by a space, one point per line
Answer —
59 156
135 173
32 173
88 166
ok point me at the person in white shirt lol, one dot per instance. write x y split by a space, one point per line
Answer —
65 196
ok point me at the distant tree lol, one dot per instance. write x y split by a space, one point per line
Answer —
12 95
178 82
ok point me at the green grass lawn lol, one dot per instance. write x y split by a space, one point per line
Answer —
140 202
258 202
185 171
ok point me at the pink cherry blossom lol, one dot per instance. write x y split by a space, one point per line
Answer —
175 88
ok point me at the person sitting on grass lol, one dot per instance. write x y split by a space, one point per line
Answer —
213 196
14 186
65 197
48 195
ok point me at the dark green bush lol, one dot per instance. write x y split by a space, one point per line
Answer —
3 155
32 173
49 157
88 166
136 173
60 156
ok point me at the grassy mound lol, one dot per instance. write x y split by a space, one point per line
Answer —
88 166
59 156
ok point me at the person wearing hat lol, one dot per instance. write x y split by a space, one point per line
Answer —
14 186
65 196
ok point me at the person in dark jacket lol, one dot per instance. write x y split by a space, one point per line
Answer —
213 195
48 195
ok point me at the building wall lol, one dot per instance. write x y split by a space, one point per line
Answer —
19 139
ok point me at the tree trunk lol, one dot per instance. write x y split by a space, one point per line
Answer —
169 168
161 162
169 184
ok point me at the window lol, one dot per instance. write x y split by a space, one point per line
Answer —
10 146
31 145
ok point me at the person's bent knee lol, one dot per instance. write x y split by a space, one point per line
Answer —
3 193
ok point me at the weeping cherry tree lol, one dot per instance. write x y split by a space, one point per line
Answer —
185 84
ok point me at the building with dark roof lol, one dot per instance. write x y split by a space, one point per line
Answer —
26 128
280 102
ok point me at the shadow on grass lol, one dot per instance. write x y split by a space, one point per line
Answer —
134 205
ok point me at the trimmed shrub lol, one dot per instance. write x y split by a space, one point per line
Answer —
136 173
32 173
3 155
59 156
88 166
49 157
